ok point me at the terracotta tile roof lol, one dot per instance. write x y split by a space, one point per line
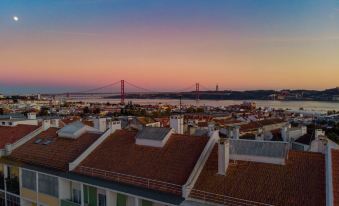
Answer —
226 122
202 124
145 120
57 154
9 135
335 175
172 163
300 182
255 125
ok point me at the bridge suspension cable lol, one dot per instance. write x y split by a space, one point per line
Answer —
98 88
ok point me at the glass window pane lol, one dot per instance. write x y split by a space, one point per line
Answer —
48 185
29 179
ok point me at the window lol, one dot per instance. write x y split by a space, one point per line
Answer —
76 196
29 179
146 203
121 200
76 192
90 195
12 180
48 185
2 198
101 199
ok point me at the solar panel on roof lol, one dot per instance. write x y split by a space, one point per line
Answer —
38 141
47 142
259 148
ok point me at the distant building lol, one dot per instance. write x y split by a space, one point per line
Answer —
335 98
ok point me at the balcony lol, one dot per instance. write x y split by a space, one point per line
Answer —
12 185
69 203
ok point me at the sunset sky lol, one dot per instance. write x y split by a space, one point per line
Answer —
67 45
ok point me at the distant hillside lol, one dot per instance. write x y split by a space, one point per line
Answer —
326 95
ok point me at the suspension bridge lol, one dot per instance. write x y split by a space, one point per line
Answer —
122 88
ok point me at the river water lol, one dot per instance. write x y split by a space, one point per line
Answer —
315 106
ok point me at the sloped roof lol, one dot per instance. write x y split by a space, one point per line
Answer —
57 154
9 135
172 163
300 182
257 124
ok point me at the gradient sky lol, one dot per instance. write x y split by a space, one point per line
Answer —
65 45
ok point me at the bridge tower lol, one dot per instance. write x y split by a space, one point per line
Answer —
197 91
122 92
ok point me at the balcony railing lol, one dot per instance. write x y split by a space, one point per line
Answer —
12 185
69 203
223 199
133 180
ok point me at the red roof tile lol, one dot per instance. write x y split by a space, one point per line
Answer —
172 163
335 176
251 126
300 182
9 135
55 155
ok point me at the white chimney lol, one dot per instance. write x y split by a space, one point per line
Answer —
303 130
55 123
46 124
284 133
100 124
223 155
210 128
260 134
115 125
177 123
229 132
31 116
236 132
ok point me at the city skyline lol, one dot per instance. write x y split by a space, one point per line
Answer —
49 46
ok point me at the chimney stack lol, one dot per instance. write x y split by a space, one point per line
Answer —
229 132
223 155
210 128
100 124
177 123
46 124
31 116
260 134
236 132
284 133
115 125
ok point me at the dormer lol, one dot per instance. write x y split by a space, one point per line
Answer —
75 130
153 136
